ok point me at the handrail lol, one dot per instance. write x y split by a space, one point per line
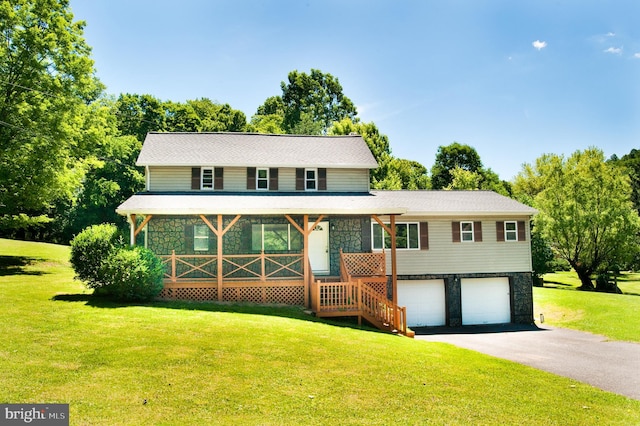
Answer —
240 263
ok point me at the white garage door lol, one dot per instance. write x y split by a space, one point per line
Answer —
424 300
485 301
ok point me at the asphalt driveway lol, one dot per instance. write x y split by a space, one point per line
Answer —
609 365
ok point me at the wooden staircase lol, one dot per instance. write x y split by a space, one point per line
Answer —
363 296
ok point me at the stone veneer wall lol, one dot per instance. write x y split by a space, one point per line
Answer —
351 234
520 286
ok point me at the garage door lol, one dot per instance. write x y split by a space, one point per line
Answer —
424 300
485 301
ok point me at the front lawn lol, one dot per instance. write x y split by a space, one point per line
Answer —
181 363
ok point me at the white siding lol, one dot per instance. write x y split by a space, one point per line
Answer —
235 179
447 257
347 180
169 178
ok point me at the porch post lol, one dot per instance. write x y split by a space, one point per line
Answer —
219 260
394 271
305 257
132 230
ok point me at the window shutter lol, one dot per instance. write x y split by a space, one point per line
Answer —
251 178
500 231
477 232
195 178
522 235
218 181
322 179
455 232
188 237
424 236
299 179
273 179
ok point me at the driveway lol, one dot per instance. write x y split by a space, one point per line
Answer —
609 365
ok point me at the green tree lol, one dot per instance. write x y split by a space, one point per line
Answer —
632 163
585 210
310 103
46 86
204 115
137 115
451 157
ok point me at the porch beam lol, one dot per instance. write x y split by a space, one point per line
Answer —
381 223
142 225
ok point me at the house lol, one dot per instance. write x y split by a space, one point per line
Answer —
292 219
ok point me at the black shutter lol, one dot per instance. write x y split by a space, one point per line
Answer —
251 178
500 231
273 179
477 232
455 232
322 179
299 179
522 234
218 181
195 178
424 236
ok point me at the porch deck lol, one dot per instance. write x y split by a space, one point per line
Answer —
280 279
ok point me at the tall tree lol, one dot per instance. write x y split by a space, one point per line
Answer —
47 80
451 157
138 115
204 115
310 103
585 210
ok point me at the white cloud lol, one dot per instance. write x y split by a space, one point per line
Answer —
614 50
610 34
637 55
539 44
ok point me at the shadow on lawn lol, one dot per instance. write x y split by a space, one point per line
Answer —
285 311
15 265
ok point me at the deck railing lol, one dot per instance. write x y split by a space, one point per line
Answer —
368 267
262 266
356 298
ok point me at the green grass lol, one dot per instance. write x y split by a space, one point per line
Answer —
613 315
209 363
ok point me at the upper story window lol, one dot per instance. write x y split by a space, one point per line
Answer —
466 231
206 178
511 231
310 179
262 179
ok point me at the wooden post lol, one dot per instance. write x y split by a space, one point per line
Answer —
394 267
263 275
219 260
305 257
359 302
173 266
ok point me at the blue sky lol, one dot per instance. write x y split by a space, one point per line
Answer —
513 79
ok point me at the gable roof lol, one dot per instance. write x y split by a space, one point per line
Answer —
255 150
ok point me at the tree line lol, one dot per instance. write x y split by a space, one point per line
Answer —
69 149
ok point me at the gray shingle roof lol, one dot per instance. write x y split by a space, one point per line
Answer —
255 150
413 203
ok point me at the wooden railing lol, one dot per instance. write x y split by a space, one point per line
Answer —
354 298
368 267
261 266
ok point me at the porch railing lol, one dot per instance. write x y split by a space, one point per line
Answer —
355 298
260 266
368 267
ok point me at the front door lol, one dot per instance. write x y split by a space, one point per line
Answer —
319 248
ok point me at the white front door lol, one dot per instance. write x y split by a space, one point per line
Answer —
319 248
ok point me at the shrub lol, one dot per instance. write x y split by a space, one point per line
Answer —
133 274
90 249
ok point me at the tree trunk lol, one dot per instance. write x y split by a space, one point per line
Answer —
585 277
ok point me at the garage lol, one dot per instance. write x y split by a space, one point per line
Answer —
485 301
425 302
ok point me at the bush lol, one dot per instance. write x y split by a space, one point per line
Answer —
90 249
133 275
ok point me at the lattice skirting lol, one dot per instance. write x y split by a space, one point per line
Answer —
288 294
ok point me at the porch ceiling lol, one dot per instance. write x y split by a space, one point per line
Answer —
256 204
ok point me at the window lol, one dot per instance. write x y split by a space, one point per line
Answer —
206 178
275 237
407 236
511 231
466 231
310 179
200 237
262 179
